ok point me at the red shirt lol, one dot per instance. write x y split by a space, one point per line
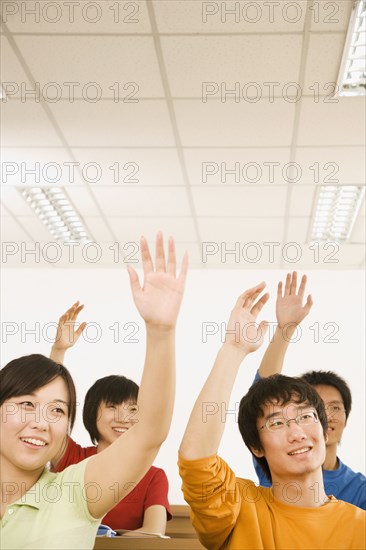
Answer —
129 512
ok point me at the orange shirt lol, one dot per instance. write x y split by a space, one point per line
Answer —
233 513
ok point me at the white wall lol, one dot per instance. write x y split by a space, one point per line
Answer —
33 296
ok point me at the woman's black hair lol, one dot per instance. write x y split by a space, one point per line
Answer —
280 390
112 390
25 375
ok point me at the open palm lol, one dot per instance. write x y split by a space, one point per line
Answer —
242 330
289 306
158 300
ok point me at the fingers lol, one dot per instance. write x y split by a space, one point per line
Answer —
147 264
279 290
309 304
302 286
252 294
248 297
171 257
258 305
159 253
288 284
134 280
183 270
79 331
160 262
72 313
76 312
293 283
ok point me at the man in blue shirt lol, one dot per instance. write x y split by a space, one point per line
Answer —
339 480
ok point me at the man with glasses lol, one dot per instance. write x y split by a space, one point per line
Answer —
339 480
283 423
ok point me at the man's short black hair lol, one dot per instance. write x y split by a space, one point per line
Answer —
329 378
112 390
274 389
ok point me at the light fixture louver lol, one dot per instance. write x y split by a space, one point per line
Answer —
336 212
352 72
53 208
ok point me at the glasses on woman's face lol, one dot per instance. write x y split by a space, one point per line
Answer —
278 423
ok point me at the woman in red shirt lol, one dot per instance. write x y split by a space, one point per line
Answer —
110 410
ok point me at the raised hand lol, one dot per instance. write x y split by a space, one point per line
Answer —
158 300
67 335
242 331
289 308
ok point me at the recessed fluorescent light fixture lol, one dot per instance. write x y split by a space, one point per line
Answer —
54 209
336 212
352 73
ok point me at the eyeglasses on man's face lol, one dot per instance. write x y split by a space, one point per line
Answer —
277 423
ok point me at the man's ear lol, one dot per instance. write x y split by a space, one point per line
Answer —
257 453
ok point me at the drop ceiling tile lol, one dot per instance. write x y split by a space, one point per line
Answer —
131 166
121 68
338 123
261 201
26 124
115 124
142 201
229 17
297 229
12 232
39 167
36 229
130 229
241 230
14 202
322 70
362 211
222 63
82 199
359 230
4 211
331 165
302 200
13 77
219 124
351 254
83 16
237 166
98 228
331 16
